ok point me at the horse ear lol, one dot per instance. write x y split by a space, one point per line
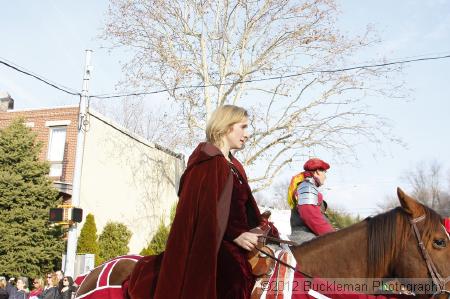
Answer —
409 204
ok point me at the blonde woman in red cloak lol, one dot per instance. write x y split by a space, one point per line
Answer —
207 248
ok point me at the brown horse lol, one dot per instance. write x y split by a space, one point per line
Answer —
385 246
406 243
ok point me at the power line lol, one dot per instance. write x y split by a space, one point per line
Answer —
423 55
40 78
139 93
106 96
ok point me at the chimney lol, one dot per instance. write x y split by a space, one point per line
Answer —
6 102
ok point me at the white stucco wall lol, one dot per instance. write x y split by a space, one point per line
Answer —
127 179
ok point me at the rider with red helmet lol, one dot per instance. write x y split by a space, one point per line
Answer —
306 201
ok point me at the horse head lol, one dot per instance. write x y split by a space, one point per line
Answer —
424 254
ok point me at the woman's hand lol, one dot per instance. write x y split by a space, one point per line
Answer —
247 240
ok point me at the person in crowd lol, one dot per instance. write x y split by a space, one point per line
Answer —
51 288
38 287
68 288
60 275
307 204
20 291
3 292
210 237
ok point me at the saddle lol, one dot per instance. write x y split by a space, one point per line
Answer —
261 263
262 259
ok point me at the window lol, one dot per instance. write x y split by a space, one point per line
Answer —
56 146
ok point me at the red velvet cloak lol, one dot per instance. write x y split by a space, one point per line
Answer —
188 267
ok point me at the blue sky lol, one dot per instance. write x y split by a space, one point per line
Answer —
407 29
49 38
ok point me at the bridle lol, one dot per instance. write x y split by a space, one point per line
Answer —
437 279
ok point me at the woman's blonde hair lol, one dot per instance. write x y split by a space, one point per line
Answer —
40 282
2 283
222 119
54 279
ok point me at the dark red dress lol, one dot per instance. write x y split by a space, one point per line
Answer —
234 273
201 261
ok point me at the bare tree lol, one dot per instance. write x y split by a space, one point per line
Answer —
389 203
426 183
222 49
154 121
279 194
445 204
158 123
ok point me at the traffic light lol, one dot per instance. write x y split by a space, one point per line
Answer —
77 215
66 214
56 214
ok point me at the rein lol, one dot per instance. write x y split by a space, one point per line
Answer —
284 263
281 241
437 279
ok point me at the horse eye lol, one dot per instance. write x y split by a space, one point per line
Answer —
439 243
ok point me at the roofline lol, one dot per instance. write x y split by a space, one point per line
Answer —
40 109
111 123
132 135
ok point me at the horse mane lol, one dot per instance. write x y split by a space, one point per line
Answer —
388 234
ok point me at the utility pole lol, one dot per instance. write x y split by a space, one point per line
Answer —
69 267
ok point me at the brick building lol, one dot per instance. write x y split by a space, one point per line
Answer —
56 128
125 178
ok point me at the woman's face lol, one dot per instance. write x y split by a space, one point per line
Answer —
237 135
65 281
36 284
49 280
59 274
20 284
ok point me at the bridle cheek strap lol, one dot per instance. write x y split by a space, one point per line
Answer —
446 231
435 276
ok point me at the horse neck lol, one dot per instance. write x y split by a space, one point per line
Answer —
339 254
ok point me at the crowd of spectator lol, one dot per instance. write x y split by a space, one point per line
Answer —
55 286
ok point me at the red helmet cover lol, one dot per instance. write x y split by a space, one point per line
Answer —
315 164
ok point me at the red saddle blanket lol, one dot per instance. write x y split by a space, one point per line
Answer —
103 288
